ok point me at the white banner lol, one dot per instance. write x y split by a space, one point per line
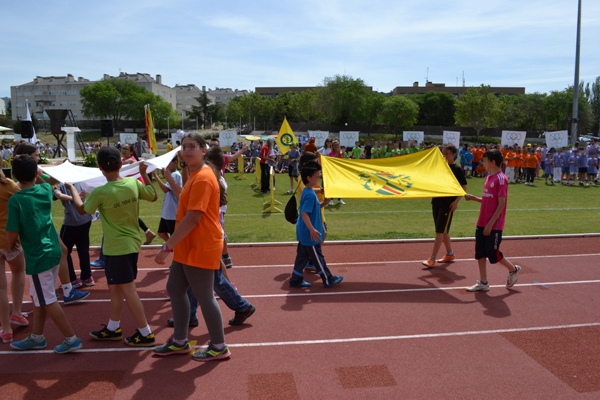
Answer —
129 138
557 139
227 138
415 136
348 139
178 137
320 137
452 137
510 138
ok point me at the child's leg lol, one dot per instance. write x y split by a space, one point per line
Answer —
83 251
39 320
510 266
202 283
291 183
224 271
116 302
63 270
481 262
163 235
447 243
301 261
68 235
59 318
4 306
134 304
177 286
17 282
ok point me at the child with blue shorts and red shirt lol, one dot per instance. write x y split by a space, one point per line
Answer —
490 223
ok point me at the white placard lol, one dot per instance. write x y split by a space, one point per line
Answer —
557 139
416 136
348 138
227 138
319 136
129 138
451 137
510 138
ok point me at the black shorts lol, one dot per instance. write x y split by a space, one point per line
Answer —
121 269
166 226
583 170
488 246
442 217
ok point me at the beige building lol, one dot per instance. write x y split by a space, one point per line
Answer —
186 96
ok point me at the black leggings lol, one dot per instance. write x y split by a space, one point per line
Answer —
142 225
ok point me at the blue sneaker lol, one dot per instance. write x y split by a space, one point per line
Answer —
334 280
302 284
29 344
97 264
310 267
66 347
75 296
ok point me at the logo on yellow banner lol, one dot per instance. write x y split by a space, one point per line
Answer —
287 139
385 183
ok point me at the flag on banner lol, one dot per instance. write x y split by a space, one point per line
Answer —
419 175
150 131
286 136
510 138
33 139
451 137
557 139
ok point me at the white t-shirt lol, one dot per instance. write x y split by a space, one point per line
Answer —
323 151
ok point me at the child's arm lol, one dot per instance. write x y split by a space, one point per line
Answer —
77 202
61 196
12 238
161 185
470 197
454 204
501 204
237 155
315 235
175 188
146 178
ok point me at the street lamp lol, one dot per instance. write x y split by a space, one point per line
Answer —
575 115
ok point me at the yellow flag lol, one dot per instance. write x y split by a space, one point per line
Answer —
286 136
419 175
150 131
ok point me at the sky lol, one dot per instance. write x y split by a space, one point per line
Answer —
248 44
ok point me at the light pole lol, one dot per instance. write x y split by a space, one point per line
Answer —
575 115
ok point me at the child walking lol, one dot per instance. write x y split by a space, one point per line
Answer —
490 223
118 203
30 219
310 231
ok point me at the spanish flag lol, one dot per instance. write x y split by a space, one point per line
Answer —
150 130
418 175
286 136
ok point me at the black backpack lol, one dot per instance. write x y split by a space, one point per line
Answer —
291 210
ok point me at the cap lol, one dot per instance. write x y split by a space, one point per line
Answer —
108 156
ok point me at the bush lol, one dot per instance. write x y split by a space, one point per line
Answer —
90 161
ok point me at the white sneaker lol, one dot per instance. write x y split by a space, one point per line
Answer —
513 276
341 202
290 191
479 287
330 202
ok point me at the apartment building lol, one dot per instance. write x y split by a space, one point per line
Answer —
454 90
187 94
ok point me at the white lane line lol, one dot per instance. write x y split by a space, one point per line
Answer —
357 292
339 340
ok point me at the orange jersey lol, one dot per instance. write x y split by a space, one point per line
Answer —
531 161
523 158
512 163
477 154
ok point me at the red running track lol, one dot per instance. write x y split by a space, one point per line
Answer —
390 330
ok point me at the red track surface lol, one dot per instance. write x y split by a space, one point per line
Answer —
390 330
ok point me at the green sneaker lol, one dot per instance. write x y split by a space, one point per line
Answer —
106 334
29 344
211 353
170 348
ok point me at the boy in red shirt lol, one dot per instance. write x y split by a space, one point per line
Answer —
490 223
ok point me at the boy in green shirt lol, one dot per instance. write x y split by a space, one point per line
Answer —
30 218
118 203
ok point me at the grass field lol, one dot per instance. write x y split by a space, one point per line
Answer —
537 210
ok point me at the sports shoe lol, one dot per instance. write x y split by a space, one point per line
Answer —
149 237
107 334
479 287
290 191
66 347
138 340
29 344
75 297
171 348
334 280
302 284
341 202
211 353
227 261
166 294
77 283
513 276
97 264
429 263
18 320
330 202
89 281
6 337
192 324
240 317
447 259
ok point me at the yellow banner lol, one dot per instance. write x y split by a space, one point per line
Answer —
286 136
419 175
150 131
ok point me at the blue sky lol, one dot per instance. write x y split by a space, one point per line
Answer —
245 44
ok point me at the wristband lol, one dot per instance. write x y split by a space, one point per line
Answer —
166 249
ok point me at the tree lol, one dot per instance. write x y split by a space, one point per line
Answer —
163 113
304 107
399 112
478 108
435 108
559 109
115 99
594 105
372 109
200 112
341 99
8 109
